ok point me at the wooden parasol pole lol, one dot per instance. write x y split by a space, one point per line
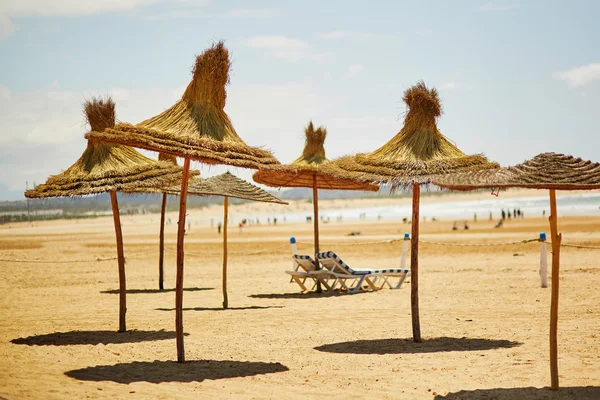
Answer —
121 261
179 279
556 239
316 224
161 249
225 221
414 263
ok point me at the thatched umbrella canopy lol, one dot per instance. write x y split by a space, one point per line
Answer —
226 185
411 158
109 168
545 171
196 127
309 171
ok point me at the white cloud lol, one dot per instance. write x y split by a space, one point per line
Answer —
498 6
335 35
285 48
6 26
4 93
68 7
42 131
580 76
353 70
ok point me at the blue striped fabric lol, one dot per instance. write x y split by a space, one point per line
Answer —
333 256
303 257
391 271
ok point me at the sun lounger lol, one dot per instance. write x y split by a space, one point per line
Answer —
306 268
375 279
350 279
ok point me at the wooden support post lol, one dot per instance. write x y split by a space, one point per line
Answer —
161 249
414 264
316 224
556 239
121 261
180 252
225 221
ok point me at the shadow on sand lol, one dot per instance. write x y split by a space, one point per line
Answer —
407 346
138 291
171 371
309 295
220 308
583 393
95 337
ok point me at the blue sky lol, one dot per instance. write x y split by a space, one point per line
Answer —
516 78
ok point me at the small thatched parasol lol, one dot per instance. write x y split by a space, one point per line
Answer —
197 128
545 171
309 171
226 185
108 168
411 158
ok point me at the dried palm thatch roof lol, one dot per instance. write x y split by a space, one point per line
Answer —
196 126
104 167
418 152
544 171
226 184
160 189
300 172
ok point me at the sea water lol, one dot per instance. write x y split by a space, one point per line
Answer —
571 204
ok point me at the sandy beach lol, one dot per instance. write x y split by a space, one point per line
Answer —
484 316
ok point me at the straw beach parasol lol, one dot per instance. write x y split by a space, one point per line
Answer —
197 128
309 171
108 168
411 158
226 185
545 171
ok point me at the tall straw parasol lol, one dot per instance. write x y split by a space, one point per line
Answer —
108 168
545 171
309 171
226 185
418 152
197 128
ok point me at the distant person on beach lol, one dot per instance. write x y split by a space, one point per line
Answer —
508 213
454 228
466 225
503 214
490 215
219 227
474 217
543 213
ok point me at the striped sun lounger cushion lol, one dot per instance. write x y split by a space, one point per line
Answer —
359 271
333 256
391 271
303 257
